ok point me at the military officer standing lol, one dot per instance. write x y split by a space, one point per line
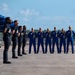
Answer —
20 40
40 36
7 40
14 38
48 40
32 40
62 36
24 40
54 35
70 39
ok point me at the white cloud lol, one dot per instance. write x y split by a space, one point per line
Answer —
29 12
35 18
58 21
4 7
55 19
25 19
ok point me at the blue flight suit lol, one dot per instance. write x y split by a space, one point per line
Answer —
14 40
20 40
7 42
48 41
54 35
24 41
32 41
62 36
70 39
40 36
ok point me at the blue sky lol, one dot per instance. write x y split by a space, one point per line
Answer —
40 13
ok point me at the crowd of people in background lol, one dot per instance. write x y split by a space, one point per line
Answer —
18 36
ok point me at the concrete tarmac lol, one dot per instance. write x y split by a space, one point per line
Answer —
39 64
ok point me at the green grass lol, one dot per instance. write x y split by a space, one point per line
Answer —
1 35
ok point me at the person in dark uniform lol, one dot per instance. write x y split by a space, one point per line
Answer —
14 38
24 40
20 40
7 40
62 36
32 40
40 36
70 39
54 35
48 40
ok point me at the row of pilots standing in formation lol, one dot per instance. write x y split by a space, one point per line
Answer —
19 36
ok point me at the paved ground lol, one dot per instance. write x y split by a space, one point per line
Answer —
39 64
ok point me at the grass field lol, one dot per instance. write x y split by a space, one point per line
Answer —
1 36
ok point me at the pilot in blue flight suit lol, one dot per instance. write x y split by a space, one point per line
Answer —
7 40
54 35
32 40
40 36
70 39
48 40
24 40
20 40
14 38
62 36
